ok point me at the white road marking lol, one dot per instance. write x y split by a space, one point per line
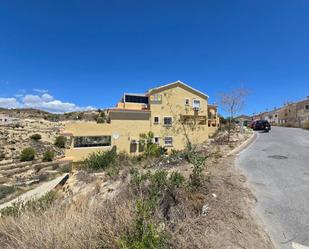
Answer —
299 246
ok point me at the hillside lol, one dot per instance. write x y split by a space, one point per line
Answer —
39 114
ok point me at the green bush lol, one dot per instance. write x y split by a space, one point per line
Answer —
36 137
101 159
151 149
156 188
145 233
48 156
27 154
198 160
177 180
61 141
100 120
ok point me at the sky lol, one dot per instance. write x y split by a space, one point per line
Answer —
69 55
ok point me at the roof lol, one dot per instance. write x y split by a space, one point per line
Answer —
136 94
175 84
212 106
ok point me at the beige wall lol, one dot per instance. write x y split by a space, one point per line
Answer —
126 130
173 105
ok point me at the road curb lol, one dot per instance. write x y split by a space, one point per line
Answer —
243 146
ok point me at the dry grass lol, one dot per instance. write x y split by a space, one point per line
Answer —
85 224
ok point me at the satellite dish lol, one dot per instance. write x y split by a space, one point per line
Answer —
115 136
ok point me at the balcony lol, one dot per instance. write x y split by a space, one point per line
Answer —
134 102
193 119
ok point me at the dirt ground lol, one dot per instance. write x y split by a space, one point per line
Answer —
227 219
231 222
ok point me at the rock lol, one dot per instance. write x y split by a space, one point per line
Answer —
205 209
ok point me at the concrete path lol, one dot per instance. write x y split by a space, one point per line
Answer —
277 168
36 192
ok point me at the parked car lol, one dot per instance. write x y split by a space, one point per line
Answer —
252 124
262 125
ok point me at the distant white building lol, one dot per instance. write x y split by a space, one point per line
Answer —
7 120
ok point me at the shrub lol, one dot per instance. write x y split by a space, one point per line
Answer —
27 154
101 159
151 149
48 156
100 120
36 137
17 208
61 141
6 190
198 161
177 179
145 233
66 168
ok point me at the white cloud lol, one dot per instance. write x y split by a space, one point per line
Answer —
18 95
9 103
43 102
40 90
47 97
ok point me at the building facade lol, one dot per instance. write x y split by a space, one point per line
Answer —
294 114
173 113
302 112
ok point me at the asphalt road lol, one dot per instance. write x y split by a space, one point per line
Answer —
277 168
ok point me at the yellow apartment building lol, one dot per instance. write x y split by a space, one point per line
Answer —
173 112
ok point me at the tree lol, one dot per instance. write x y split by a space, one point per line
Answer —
233 102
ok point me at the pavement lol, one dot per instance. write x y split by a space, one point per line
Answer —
36 192
277 169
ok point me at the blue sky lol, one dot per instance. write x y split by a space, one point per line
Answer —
67 55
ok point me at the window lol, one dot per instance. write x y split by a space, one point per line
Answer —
306 107
168 121
92 141
136 99
156 120
187 101
156 140
168 141
196 104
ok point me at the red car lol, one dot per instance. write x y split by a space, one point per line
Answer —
252 124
